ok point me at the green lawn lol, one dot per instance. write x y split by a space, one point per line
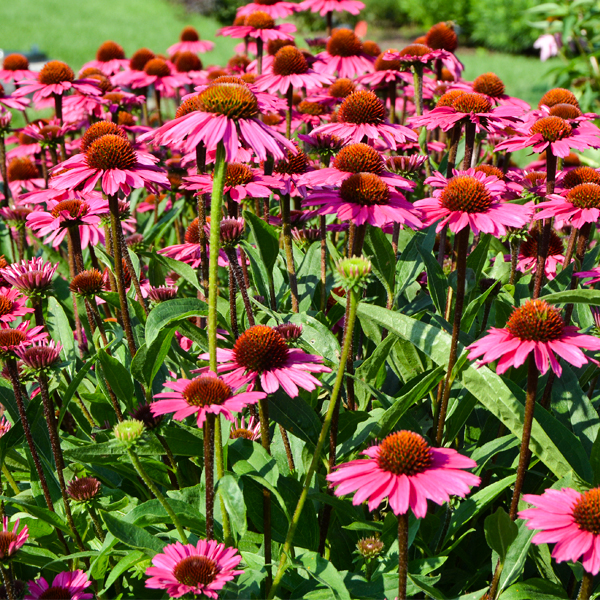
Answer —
72 30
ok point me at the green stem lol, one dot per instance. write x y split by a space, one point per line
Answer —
287 547
216 213
146 479
587 586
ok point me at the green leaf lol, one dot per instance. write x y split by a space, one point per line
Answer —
170 312
437 283
516 555
573 297
74 386
132 535
148 359
259 272
266 239
475 503
378 249
420 387
41 513
128 561
117 376
317 338
500 532
183 269
256 456
493 392
157 231
410 263
478 259
309 277
228 487
60 328
295 415
535 589
324 572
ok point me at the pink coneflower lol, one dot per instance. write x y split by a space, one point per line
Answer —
421 54
343 56
206 394
471 199
248 431
40 356
528 253
55 79
352 159
259 25
8 101
110 59
222 112
202 569
569 519
386 71
491 86
137 62
11 541
158 73
327 6
189 41
15 67
33 277
362 115
48 133
261 353
83 212
407 471
290 68
23 175
190 251
467 107
554 133
68 584
12 305
366 198
579 205
14 338
241 182
5 426
112 159
534 327
274 8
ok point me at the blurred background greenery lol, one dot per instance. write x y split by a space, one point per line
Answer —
72 30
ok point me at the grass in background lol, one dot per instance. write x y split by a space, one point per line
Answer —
72 30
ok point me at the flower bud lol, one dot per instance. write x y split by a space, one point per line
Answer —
129 432
353 272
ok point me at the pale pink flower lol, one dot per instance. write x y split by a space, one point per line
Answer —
13 539
189 41
366 198
362 115
534 327
78 210
556 134
343 56
566 518
223 112
241 182
408 472
112 159
548 45
326 6
12 305
203 569
277 10
259 25
55 79
68 584
110 59
16 67
471 199
262 354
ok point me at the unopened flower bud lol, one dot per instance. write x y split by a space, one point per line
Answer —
83 489
232 231
129 432
369 547
353 272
